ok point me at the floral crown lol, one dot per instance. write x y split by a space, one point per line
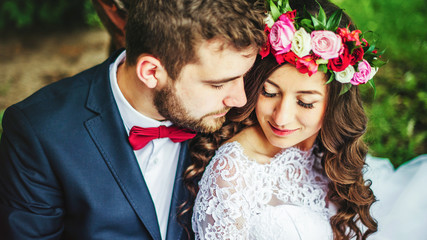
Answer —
316 43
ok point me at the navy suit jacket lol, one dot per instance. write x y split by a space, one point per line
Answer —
67 170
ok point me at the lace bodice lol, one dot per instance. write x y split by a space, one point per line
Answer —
242 199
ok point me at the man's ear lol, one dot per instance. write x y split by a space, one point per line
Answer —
150 71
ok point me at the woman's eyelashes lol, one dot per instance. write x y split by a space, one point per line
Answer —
305 105
268 94
299 102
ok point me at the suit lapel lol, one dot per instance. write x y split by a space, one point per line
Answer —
108 133
179 196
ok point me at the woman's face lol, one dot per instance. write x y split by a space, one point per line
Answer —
291 107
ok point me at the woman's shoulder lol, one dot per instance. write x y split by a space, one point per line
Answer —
231 161
225 170
228 155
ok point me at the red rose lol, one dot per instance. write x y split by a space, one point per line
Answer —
279 58
341 62
265 50
357 55
290 57
267 29
291 15
307 65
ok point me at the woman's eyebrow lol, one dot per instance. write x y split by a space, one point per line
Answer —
299 92
310 92
272 83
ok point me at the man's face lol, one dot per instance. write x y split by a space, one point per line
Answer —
206 90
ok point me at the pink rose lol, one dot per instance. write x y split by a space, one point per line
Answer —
281 35
363 74
326 44
307 64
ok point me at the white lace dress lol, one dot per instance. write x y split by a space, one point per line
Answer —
242 199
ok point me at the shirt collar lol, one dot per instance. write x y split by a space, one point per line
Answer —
131 117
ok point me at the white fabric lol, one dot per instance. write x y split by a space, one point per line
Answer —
158 159
401 210
242 199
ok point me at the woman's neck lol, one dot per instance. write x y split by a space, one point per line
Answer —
255 144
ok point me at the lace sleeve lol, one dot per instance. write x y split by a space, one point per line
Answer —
221 210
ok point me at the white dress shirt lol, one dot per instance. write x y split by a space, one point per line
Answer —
157 160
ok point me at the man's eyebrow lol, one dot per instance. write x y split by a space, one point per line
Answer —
220 81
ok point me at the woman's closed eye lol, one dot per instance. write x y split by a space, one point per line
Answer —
305 105
268 94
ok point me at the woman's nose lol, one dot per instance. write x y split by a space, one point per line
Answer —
284 113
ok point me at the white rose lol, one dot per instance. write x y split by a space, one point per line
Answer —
301 43
346 75
374 71
269 20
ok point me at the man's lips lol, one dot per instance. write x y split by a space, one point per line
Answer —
282 132
220 114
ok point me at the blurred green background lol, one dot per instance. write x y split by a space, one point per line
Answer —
398 123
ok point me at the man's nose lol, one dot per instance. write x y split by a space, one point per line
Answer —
237 95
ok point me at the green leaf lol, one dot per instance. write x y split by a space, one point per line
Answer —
307 24
322 15
382 52
370 49
286 7
331 78
317 24
334 21
345 88
372 83
378 63
323 68
369 56
275 13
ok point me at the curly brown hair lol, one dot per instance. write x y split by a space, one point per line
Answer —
339 140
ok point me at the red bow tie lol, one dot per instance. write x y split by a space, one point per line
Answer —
139 137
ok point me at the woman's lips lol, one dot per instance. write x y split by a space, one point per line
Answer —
282 132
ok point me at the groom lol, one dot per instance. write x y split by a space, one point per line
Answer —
75 158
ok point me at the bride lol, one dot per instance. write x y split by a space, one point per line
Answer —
290 164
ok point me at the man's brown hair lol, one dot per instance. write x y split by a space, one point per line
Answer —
171 30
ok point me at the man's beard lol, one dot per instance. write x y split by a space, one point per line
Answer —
170 106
